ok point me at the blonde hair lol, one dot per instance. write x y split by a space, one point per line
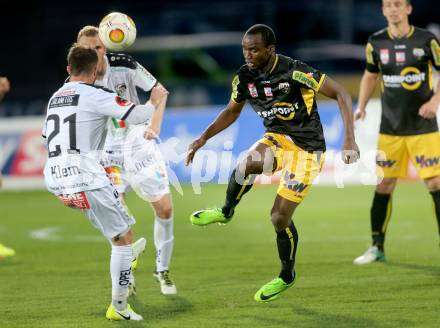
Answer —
87 31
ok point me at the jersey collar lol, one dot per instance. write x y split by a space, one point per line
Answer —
408 35
274 64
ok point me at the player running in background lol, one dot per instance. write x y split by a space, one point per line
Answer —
403 55
122 74
4 88
282 91
75 129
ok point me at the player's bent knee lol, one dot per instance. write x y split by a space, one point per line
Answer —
386 186
433 183
253 167
164 212
122 240
279 220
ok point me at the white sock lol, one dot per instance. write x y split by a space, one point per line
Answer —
120 271
164 242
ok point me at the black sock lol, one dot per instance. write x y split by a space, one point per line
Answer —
287 241
235 191
436 198
380 216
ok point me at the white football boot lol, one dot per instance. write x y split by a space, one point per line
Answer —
167 286
373 254
138 248
127 314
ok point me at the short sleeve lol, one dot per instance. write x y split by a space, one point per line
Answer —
434 52
110 104
307 76
143 78
371 64
238 93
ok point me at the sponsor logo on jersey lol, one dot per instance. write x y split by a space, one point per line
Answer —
384 56
63 101
282 110
418 52
235 83
305 78
410 78
121 89
400 57
268 91
435 49
427 162
400 46
284 87
122 102
253 90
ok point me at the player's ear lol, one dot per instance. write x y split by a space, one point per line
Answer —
409 9
271 49
68 69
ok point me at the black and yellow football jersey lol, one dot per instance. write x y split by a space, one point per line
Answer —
285 99
406 65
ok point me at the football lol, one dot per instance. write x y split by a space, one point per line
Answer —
117 31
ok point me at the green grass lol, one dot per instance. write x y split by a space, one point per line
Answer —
217 269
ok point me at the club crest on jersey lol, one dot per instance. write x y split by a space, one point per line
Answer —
121 89
384 56
268 91
418 52
121 101
284 87
400 57
253 90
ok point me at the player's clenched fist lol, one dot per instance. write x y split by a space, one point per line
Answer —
158 94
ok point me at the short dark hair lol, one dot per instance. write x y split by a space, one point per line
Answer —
81 59
266 33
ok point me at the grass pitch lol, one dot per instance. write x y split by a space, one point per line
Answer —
60 276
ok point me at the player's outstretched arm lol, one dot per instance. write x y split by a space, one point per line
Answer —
368 84
225 119
334 90
153 130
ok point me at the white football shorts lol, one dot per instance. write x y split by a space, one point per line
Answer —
104 208
141 169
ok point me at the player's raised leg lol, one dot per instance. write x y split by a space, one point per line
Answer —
259 159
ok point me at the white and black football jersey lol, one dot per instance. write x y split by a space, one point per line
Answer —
75 129
123 76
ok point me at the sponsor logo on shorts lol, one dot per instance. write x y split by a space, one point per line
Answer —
292 184
427 162
77 200
386 163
